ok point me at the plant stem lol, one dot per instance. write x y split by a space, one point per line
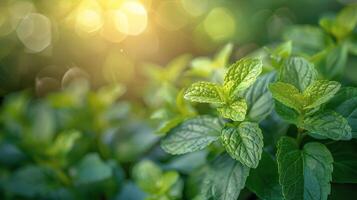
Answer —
300 135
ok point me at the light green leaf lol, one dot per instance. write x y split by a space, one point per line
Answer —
328 124
259 100
298 72
283 50
224 179
64 143
243 143
166 125
192 135
235 111
222 57
304 174
242 74
345 22
320 92
205 92
175 68
288 95
146 175
264 180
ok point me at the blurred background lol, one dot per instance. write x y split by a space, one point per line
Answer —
111 39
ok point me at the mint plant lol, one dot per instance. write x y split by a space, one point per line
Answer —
319 112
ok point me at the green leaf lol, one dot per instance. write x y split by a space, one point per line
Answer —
345 103
298 72
91 169
345 161
286 113
243 142
264 180
235 111
64 143
29 181
146 175
331 61
166 125
328 124
288 95
205 92
320 92
259 100
283 50
343 24
222 57
152 180
241 75
192 135
304 174
224 179
306 38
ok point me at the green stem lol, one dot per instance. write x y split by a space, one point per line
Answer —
300 135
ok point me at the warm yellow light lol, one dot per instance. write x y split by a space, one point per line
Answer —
89 21
131 18
89 18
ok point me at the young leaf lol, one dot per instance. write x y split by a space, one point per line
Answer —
259 100
283 50
288 95
221 59
224 179
235 111
320 92
304 174
205 92
243 143
192 135
298 72
264 180
242 74
328 124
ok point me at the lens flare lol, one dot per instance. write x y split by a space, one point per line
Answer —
131 18
89 18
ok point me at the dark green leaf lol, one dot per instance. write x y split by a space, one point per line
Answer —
264 180
224 179
92 169
304 174
259 99
345 103
328 124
